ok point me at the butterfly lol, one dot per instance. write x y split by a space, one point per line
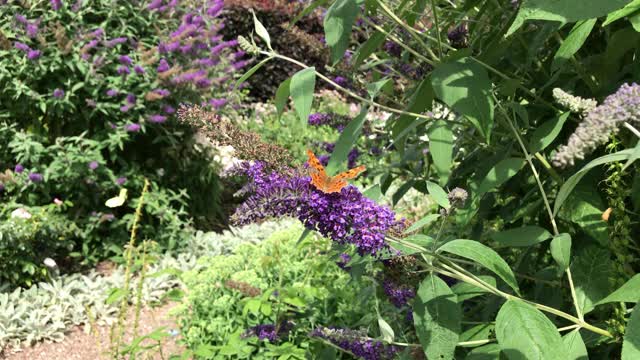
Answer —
117 201
328 184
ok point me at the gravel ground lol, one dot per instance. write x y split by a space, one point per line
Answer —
80 346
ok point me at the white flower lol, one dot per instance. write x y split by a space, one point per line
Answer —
21 213
50 263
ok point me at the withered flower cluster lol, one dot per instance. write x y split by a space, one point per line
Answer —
243 288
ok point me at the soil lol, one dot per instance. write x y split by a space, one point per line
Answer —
77 345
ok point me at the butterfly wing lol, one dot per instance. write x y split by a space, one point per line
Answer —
339 181
117 201
319 177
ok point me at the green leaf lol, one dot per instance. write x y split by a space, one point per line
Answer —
420 101
563 11
484 256
466 291
303 236
591 269
631 342
573 42
523 236
338 22
301 88
635 22
251 71
629 292
486 352
544 135
374 193
422 223
374 88
571 183
561 250
347 140
525 333
306 11
465 86
629 9
499 174
261 30
576 349
438 194
369 47
437 316
478 332
115 295
282 96
441 149
420 240
585 207
385 330
634 156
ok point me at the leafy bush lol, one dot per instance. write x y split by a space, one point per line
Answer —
514 162
90 91
278 281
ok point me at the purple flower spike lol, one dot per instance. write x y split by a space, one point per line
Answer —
121 180
56 4
21 46
132 127
58 93
138 69
163 66
357 343
157 118
93 165
36 177
112 92
123 70
125 60
33 54
19 169
217 103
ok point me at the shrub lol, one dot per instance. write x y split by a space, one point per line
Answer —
230 299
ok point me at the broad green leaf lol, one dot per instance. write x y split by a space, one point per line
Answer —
420 240
465 86
385 330
571 183
420 101
368 48
303 236
347 140
466 291
631 342
478 332
585 207
437 316
441 149
486 352
525 333
338 22
634 156
374 88
629 9
561 250
563 11
261 30
251 71
282 96
499 174
438 194
484 256
591 269
522 236
573 42
374 193
629 292
544 135
635 22
576 349
301 88
422 223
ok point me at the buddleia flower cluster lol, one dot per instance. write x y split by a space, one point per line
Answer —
600 123
575 104
346 217
357 343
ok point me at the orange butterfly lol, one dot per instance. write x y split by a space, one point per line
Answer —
326 183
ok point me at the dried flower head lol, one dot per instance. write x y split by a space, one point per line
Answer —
242 287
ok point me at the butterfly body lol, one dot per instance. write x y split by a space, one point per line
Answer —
329 184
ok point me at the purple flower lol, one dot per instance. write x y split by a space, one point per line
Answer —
458 36
398 294
600 123
162 92
138 69
123 70
132 127
157 118
32 30
168 109
21 46
268 331
18 169
125 60
154 5
112 92
125 108
352 158
393 48
22 19
318 119
217 103
357 343
1 188
36 177
347 217
113 42
131 99
163 66
341 81
93 165
58 93
56 4
343 261
324 159
121 180
33 54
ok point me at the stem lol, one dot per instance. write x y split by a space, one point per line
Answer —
633 129
437 23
